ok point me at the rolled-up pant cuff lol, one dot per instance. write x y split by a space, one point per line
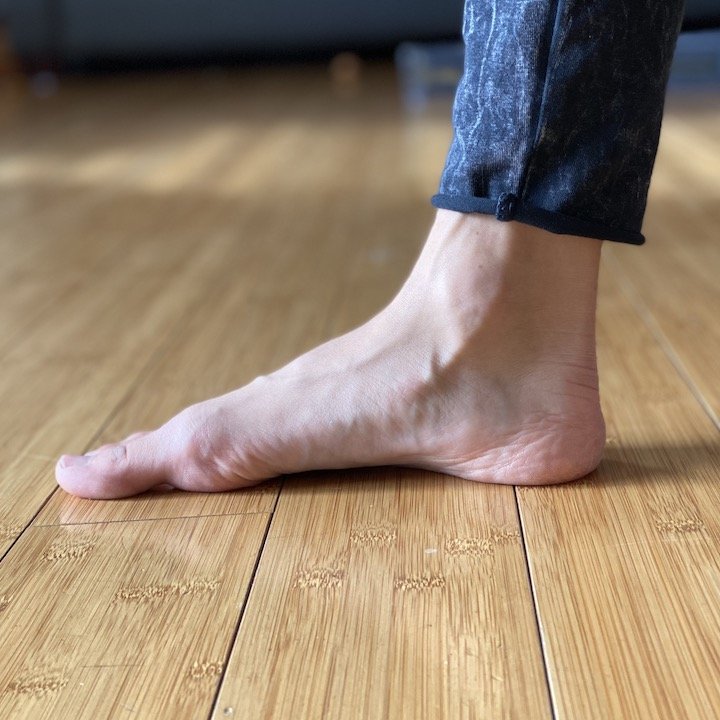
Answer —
557 115
509 207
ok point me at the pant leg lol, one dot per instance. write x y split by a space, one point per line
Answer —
557 116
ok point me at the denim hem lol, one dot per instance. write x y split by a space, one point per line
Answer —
508 207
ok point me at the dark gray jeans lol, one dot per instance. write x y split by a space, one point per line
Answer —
557 116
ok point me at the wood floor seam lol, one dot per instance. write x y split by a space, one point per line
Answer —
536 606
150 519
241 614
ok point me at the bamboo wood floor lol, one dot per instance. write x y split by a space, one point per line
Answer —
165 239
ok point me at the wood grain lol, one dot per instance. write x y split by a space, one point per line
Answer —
388 593
122 619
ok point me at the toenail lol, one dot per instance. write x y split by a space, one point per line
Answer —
73 460
118 452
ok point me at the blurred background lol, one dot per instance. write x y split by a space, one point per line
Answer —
47 38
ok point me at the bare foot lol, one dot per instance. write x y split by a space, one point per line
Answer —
483 366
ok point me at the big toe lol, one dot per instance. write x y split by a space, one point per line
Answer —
115 471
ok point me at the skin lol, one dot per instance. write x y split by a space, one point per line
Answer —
483 366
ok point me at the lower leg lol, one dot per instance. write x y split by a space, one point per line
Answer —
483 366
557 115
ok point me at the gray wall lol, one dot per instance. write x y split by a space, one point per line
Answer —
119 28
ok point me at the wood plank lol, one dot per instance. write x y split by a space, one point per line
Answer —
122 619
624 564
76 253
388 593
97 163
82 199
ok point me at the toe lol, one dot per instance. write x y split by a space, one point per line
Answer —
115 471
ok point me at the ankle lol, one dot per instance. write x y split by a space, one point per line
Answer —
512 286
470 253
